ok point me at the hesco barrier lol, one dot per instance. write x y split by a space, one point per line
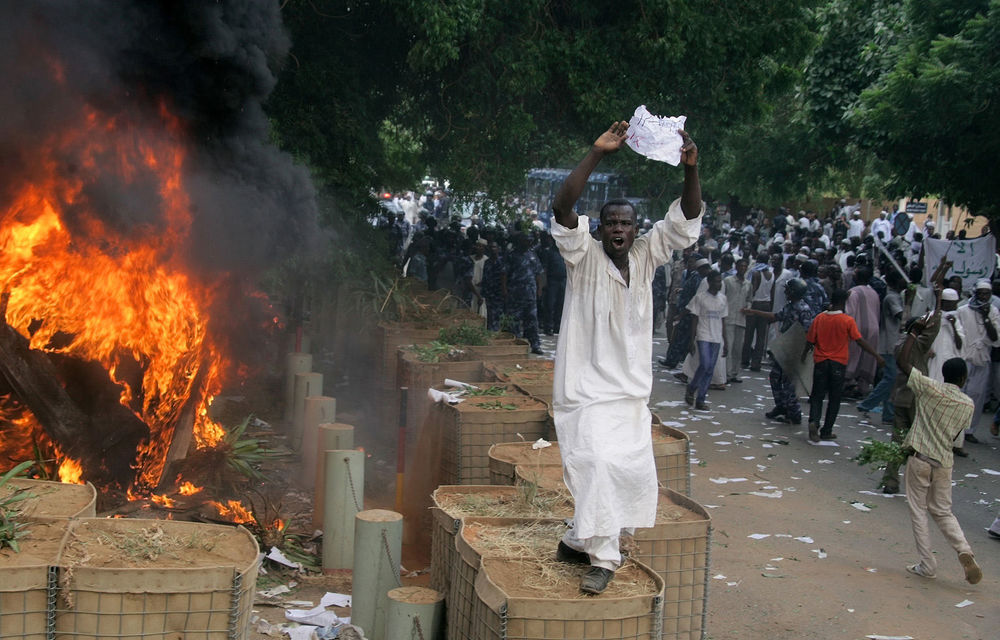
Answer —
503 616
678 549
672 452
27 581
506 456
53 499
454 503
125 578
531 375
471 427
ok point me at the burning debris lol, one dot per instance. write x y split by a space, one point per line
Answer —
138 194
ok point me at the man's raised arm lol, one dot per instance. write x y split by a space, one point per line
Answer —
691 195
609 142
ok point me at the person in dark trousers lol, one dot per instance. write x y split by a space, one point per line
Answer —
829 336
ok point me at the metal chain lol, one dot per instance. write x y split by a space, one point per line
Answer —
420 632
388 554
350 480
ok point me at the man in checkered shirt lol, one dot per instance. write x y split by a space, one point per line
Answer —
942 411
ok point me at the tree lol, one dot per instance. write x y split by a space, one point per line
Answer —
935 118
480 90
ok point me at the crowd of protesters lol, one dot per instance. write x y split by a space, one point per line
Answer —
775 272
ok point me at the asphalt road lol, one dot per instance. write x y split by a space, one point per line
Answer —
828 551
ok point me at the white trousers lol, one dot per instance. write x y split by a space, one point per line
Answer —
604 551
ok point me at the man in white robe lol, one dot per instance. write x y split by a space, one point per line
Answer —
603 368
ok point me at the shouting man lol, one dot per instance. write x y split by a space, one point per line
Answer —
603 372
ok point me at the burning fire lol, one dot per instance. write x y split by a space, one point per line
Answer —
188 489
235 511
70 472
97 295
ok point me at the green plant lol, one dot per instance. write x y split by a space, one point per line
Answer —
243 455
11 526
496 404
878 454
465 334
494 390
508 323
433 351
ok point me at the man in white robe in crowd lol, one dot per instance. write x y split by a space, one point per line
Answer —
603 368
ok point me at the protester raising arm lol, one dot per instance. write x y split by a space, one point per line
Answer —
609 142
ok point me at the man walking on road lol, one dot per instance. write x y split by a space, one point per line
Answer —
942 412
603 373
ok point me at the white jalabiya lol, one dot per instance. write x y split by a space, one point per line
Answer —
603 374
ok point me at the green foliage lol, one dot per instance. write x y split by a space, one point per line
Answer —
497 405
465 334
241 454
878 455
12 528
494 390
433 351
933 118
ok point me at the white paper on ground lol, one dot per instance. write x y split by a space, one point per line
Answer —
441 396
964 603
764 494
280 558
541 443
875 636
823 443
448 382
656 137
991 472
726 480
300 633
317 616
759 536
860 506
335 600
274 591
805 539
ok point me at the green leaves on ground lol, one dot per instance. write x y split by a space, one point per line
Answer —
12 528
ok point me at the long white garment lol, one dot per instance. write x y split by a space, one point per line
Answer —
943 348
603 374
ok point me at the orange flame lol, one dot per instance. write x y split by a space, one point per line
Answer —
70 472
188 489
235 511
97 295
163 501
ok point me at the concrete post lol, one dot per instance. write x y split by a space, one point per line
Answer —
318 409
345 486
306 385
378 538
414 613
294 363
331 437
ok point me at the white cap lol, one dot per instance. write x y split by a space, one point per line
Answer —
983 283
702 263
949 294
930 223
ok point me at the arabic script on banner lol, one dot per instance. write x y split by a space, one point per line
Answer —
656 137
971 259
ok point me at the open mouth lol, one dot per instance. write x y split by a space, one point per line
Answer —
618 241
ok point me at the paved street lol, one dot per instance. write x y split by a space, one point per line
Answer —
828 553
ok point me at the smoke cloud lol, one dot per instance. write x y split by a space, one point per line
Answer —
194 69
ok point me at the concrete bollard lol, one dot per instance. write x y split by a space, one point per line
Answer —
414 613
306 385
318 409
294 363
345 486
331 437
378 539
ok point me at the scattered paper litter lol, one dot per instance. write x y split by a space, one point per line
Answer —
759 536
964 603
733 584
819 553
541 443
300 633
805 539
878 637
335 600
276 555
871 569
778 559
748 457
317 616
860 506
850 611
718 576
448 382
441 396
656 137
670 403
274 591
765 494
990 472
824 462
723 442
823 443
727 480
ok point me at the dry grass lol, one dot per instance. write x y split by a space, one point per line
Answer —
509 504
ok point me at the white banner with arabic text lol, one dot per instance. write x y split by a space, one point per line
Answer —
971 259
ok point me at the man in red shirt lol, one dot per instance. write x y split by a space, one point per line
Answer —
829 336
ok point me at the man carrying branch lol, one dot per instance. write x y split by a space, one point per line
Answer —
603 370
